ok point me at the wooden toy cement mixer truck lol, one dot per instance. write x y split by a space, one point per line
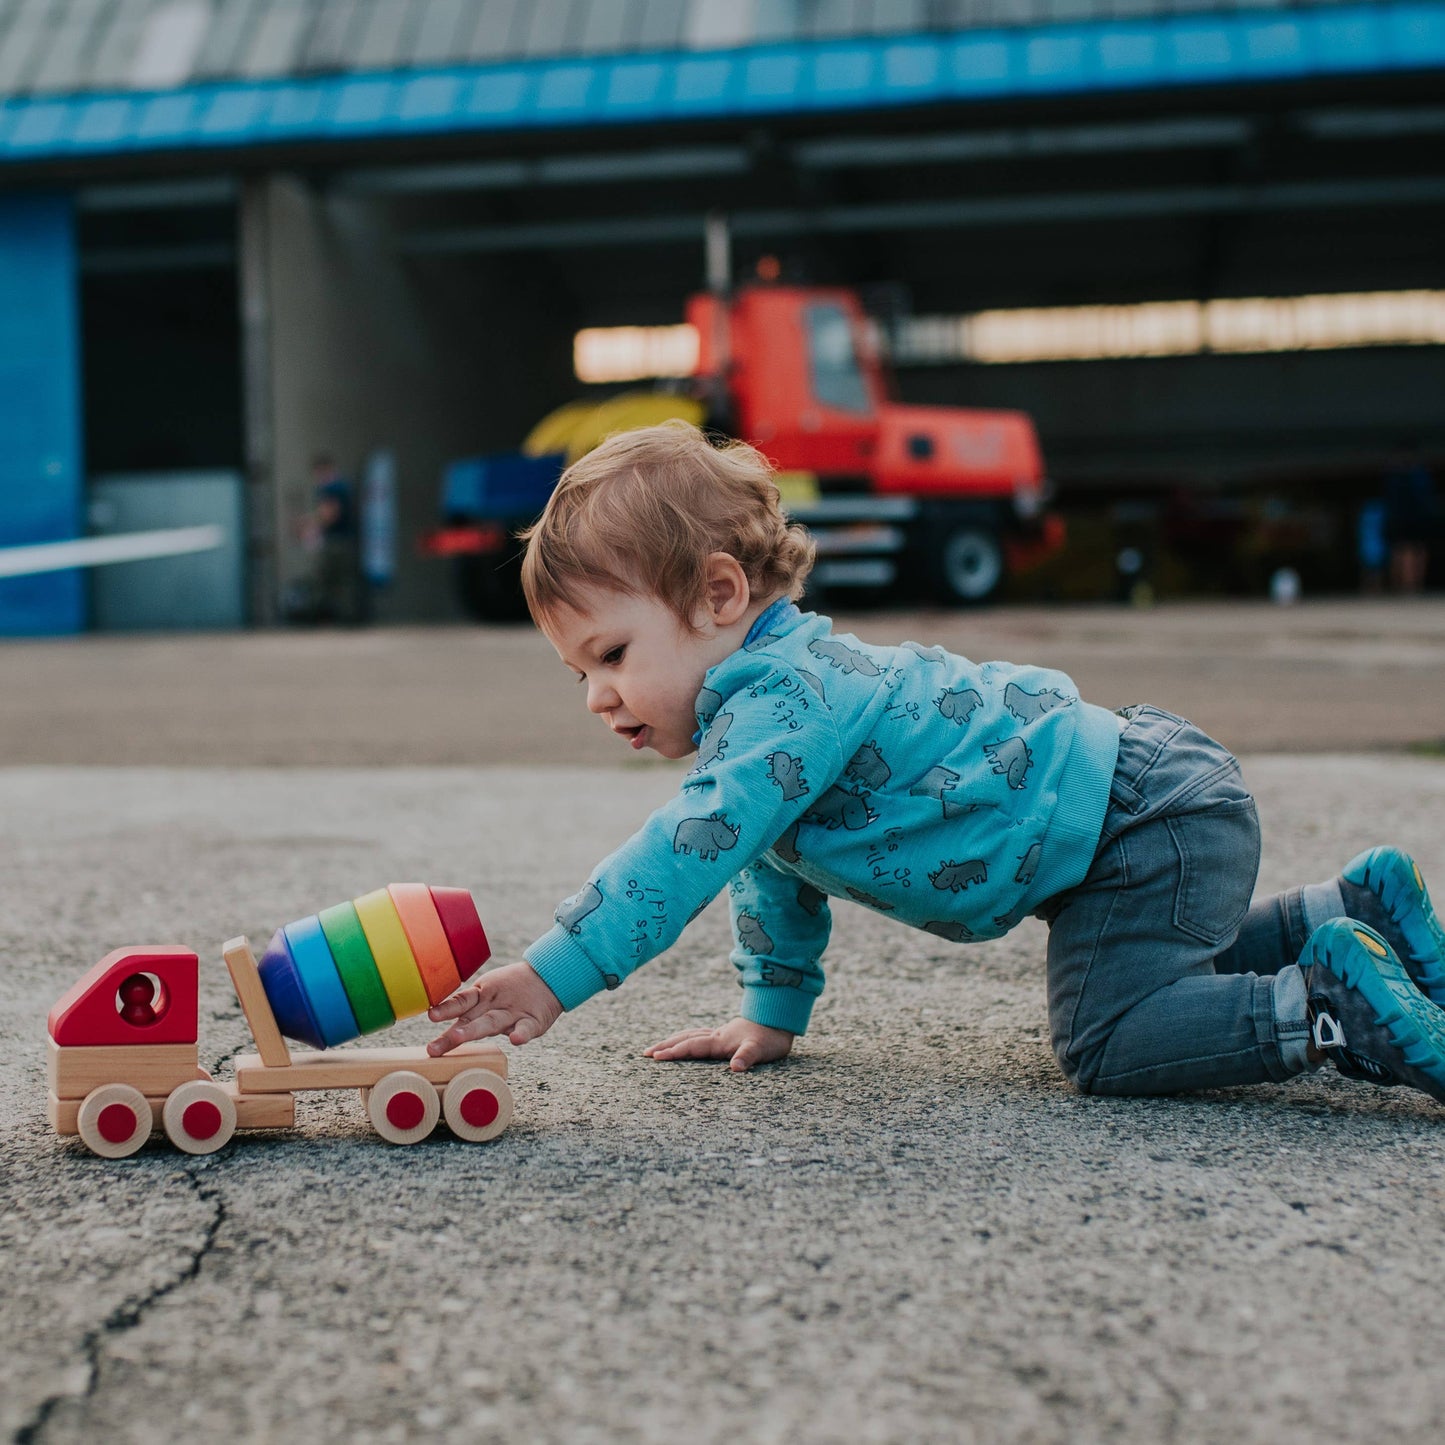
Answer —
122 1054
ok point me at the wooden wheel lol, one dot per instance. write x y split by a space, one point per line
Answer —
403 1107
114 1120
199 1116
478 1105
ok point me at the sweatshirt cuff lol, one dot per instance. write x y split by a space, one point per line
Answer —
778 1008
562 965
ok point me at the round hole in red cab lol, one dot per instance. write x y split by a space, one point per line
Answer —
142 1000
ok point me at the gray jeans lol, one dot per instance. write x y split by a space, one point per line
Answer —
1153 988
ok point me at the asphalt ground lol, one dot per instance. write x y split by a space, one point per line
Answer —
1327 675
913 1230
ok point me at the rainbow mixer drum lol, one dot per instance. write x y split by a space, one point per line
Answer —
360 966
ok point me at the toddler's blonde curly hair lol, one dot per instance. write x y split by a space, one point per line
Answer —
642 513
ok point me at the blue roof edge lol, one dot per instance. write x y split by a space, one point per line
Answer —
879 72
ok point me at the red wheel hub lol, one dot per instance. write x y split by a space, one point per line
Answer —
404 1110
201 1120
480 1107
117 1122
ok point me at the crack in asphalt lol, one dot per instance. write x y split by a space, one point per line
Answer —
127 1315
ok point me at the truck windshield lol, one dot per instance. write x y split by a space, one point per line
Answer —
837 378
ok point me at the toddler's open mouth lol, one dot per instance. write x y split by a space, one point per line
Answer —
636 736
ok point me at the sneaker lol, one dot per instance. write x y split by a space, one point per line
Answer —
1366 1016
1383 889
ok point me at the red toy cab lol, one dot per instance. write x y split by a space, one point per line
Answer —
132 996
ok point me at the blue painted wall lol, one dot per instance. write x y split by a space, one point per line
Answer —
40 423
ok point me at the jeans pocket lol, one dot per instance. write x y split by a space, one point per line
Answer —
1142 744
1218 862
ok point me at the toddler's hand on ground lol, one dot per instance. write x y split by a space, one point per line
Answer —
510 1000
740 1040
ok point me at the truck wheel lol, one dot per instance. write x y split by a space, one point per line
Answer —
403 1107
114 1120
478 1105
199 1116
967 563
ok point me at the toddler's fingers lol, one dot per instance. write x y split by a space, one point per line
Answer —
675 1039
700 1044
525 1030
748 1053
483 1026
454 1005
442 1044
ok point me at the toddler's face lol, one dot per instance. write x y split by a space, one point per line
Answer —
641 667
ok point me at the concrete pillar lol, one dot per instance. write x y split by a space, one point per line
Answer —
350 346
263 519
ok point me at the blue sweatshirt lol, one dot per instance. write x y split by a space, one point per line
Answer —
952 795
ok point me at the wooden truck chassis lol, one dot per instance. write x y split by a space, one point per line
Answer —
115 1095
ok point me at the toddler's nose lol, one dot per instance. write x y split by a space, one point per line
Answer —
601 696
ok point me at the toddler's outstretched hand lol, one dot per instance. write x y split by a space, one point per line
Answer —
740 1040
510 1000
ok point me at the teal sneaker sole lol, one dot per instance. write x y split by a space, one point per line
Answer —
1394 878
1362 959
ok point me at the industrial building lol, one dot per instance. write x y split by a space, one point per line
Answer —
1201 242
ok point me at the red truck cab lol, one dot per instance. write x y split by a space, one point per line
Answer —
797 372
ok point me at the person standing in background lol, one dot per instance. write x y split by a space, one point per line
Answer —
1371 547
1409 522
329 533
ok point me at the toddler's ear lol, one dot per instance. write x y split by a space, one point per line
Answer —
728 593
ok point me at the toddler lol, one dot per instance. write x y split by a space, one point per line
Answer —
954 796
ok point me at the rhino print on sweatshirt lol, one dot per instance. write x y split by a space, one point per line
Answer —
787 772
707 837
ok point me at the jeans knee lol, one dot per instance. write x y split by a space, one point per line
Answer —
1085 1071
1080 1065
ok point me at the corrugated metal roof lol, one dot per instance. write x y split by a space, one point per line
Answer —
57 47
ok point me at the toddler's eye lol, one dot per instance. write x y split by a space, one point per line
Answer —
613 656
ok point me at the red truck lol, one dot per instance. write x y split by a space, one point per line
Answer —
939 503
